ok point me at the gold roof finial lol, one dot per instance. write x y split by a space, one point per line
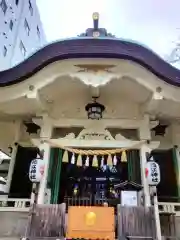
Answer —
95 16
95 20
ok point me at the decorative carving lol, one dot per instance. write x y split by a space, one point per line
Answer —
94 74
94 67
95 136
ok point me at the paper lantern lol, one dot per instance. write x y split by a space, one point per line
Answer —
36 170
152 172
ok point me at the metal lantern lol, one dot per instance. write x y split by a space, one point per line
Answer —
94 110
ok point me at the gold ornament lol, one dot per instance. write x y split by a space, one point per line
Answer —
90 218
95 15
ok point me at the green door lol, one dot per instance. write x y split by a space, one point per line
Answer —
133 161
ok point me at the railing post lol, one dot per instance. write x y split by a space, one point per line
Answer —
156 214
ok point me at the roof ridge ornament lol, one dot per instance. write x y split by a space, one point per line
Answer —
96 32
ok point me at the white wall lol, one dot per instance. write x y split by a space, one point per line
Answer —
11 38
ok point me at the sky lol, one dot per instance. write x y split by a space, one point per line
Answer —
155 23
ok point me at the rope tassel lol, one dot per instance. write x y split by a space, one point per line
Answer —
102 161
109 160
114 160
65 157
79 160
73 159
95 161
124 157
87 161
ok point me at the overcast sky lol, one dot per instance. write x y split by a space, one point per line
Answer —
154 23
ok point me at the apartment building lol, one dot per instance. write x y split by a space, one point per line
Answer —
21 31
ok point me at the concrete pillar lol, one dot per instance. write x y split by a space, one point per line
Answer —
145 134
46 131
13 154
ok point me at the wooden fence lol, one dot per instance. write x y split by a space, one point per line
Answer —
49 221
136 222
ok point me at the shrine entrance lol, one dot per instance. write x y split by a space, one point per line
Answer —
82 184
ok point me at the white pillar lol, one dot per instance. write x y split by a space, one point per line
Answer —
156 214
143 150
13 154
46 131
145 134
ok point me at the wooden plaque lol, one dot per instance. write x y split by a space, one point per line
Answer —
91 222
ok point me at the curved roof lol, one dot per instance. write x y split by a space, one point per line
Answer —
105 45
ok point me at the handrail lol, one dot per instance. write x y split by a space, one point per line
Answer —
14 204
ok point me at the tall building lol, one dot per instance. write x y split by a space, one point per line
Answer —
21 31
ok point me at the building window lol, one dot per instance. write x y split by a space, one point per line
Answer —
11 25
17 2
22 48
3 5
30 8
27 28
4 51
38 32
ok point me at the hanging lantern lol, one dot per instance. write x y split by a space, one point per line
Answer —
152 173
94 110
36 170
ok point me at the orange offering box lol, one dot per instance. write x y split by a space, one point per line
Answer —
91 223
